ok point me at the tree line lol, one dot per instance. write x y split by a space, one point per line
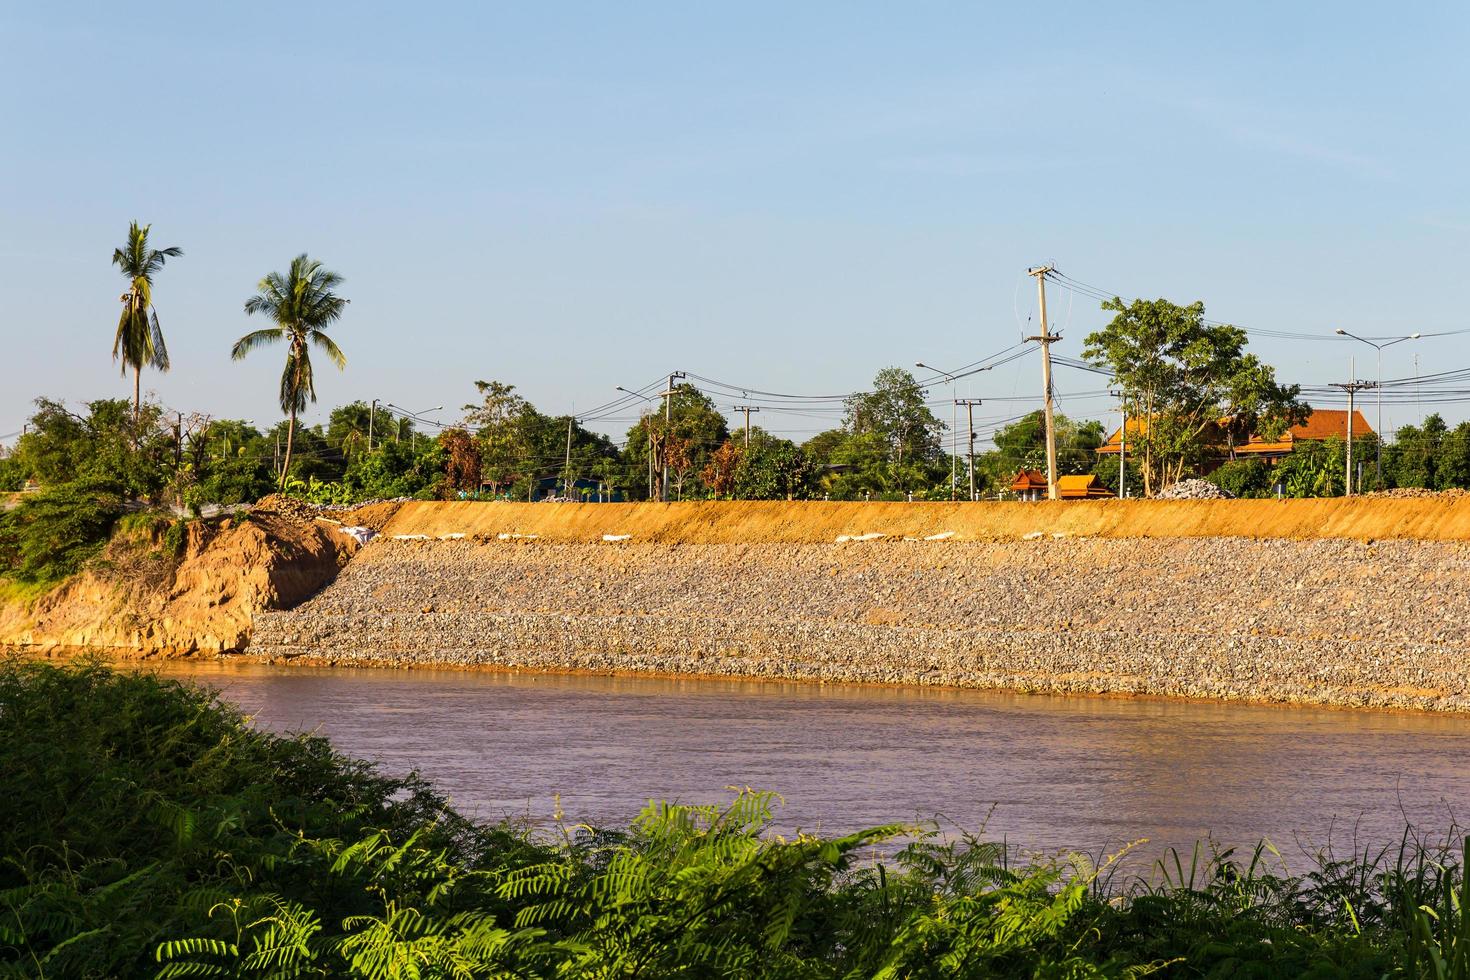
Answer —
1194 380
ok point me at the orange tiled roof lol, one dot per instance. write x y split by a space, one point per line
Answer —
1323 423
1029 480
1327 423
1084 485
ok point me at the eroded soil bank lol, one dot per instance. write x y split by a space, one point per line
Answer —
147 596
1330 621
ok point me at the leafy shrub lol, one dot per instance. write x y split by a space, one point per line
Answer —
54 532
1244 478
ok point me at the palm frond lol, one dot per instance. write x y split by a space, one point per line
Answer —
330 346
159 358
254 339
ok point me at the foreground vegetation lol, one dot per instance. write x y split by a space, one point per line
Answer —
147 830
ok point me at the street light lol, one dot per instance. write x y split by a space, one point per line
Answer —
954 429
629 391
953 377
1379 348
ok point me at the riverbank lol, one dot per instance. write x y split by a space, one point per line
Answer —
1332 622
161 589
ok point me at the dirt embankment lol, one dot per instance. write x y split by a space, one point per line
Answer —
1442 518
149 596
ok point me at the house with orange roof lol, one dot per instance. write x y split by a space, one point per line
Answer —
1322 424
1081 487
1029 485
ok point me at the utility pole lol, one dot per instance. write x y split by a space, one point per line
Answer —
567 471
747 409
970 404
1352 388
1046 339
1122 443
372 414
663 488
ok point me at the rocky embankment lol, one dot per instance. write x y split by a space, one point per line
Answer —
149 596
1311 621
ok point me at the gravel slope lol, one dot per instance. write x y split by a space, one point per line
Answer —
1322 621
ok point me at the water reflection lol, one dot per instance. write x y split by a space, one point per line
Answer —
1047 772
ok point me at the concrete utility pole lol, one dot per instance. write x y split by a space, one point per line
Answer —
1122 443
1046 339
970 404
1352 388
663 489
747 409
372 414
567 472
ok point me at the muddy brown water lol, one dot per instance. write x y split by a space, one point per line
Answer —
1044 773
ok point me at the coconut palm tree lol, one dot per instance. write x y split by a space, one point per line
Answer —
302 304
139 340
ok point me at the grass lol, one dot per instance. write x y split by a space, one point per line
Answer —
24 593
147 830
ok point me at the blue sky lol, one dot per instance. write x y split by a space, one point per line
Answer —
575 196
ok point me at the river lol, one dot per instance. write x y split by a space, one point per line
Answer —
1044 773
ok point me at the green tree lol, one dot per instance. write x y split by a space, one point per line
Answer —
1191 381
1411 460
397 469
895 412
1452 468
302 304
108 442
693 418
505 430
350 427
139 340
888 444
1245 478
773 469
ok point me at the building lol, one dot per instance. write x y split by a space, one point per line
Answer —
1081 487
1029 485
1322 424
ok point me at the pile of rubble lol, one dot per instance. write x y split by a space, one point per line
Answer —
1412 492
290 508
1195 490
372 513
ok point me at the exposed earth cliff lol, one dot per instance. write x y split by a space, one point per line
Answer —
151 594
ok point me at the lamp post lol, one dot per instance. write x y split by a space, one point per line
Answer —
954 430
952 377
372 414
1378 346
